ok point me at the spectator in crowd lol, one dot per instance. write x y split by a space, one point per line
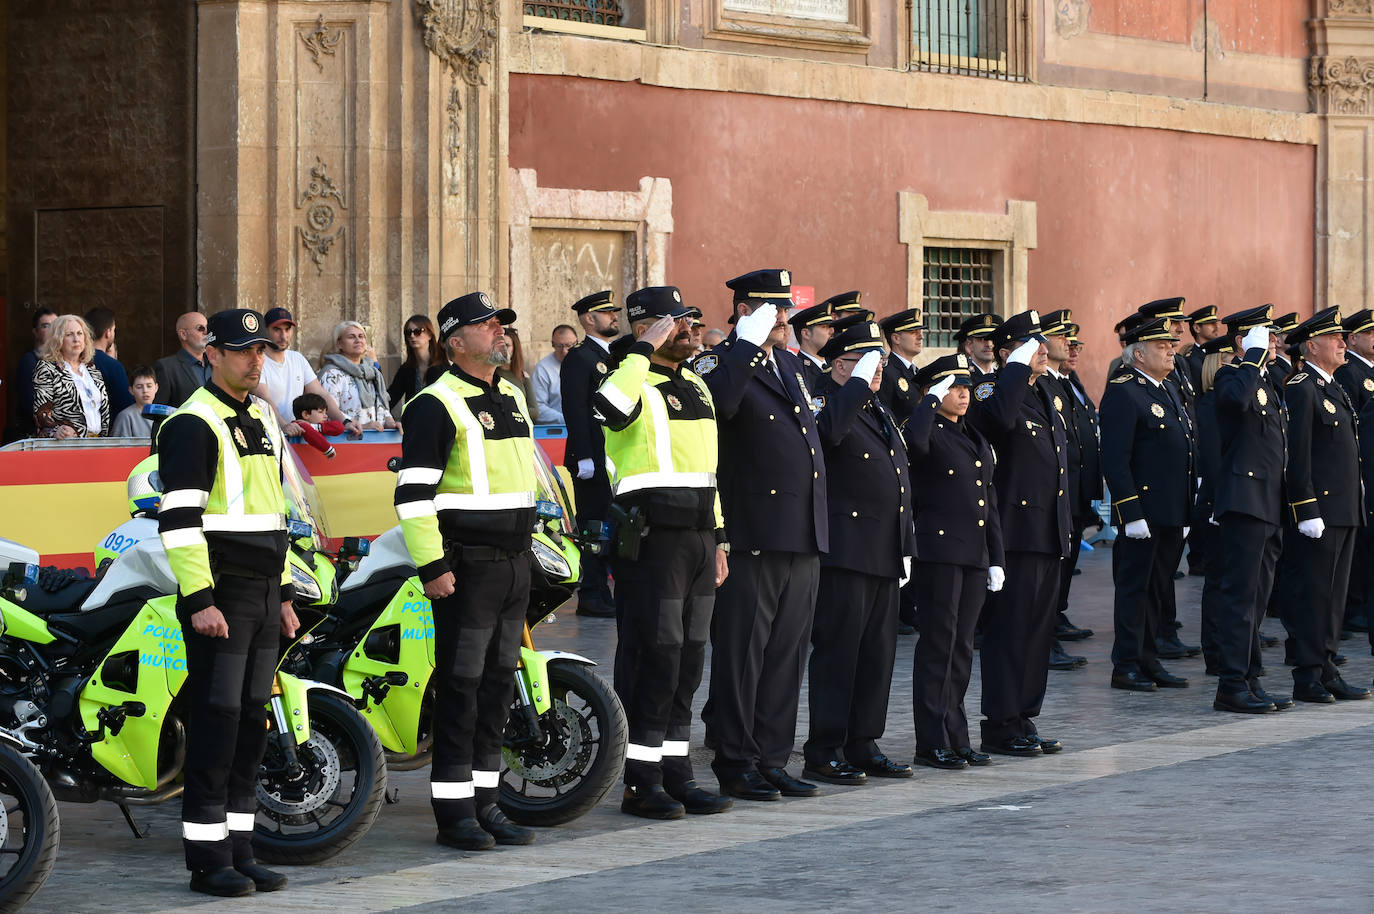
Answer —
42 329
546 380
102 323
712 338
69 399
425 360
312 418
185 371
286 375
515 372
354 381
130 422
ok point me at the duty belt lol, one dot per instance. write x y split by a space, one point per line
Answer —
479 553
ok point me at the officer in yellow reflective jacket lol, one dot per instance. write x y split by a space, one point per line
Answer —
223 525
465 495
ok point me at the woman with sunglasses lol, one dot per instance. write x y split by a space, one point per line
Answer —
425 360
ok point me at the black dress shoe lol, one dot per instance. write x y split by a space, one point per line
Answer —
1344 691
946 759
1268 641
1280 702
835 772
225 881
1241 701
1313 692
1169 647
1017 745
1166 680
264 880
745 785
466 835
495 823
1067 631
880 766
973 756
1048 746
698 800
651 802
597 609
1134 681
788 785
1061 659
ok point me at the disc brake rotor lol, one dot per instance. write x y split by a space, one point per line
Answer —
564 759
317 786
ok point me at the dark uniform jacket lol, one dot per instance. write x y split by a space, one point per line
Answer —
952 474
1323 477
1207 446
869 489
1020 423
772 469
811 373
899 392
1147 451
1252 442
584 368
1089 439
1356 376
1192 365
1278 370
1084 458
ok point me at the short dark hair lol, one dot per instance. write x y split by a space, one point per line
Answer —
42 313
568 327
142 371
306 402
101 320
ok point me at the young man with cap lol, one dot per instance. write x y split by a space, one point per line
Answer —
848 304
584 368
904 333
1357 377
773 489
1322 482
1204 325
286 375
811 326
854 636
466 502
661 439
223 525
959 557
1280 367
1247 503
1014 411
974 339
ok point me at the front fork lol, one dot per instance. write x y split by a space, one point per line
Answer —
285 737
526 705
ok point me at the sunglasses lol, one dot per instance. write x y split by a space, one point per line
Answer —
415 331
199 328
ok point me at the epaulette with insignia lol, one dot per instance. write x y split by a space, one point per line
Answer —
984 390
1121 379
1298 378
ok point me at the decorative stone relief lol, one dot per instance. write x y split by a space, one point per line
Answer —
461 33
321 42
1341 85
1349 7
1071 17
318 234
455 142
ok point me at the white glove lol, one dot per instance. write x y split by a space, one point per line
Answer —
1313 528
1023 354
1214 522
755 327
996 578
1186 531
867 366
1255 338
940 388
906 571
1138 530
585 468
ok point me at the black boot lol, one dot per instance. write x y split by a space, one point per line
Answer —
651 802
466 835
264 879
495 823
224 881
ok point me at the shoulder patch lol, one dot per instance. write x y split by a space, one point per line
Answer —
601 367
1298 378
817 404
1121 379
705 364
984 390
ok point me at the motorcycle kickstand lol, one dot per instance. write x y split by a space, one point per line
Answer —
133 826
392 796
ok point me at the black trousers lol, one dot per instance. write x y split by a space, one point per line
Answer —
759 635
853 651
228 683
593 505
1214 567
1250 553
1357 595
1143 574
1066 568
1165 597
951 599
666 597
906 603
1287 579
1018 627
477 635
1316 621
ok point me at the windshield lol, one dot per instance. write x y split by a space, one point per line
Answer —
551 488
302 496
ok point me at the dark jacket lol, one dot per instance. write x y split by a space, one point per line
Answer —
1207 447
584 368
812 373
404 384
116 382
1252 441
1357 378
179 376
899 392
1089 443
1147 451
1323 476
1278 370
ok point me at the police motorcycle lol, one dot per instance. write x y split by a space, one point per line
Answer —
29 828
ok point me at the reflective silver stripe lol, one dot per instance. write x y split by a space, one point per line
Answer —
187 536
476 438
675 747
617 397
460 501
243 523
665 481
636 753
419 476
450 790
663 436
409 510
204 831
184 498
231 474
486 779
240 821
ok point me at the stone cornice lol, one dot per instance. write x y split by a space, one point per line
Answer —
1342 85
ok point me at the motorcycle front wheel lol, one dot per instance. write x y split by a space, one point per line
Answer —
326 804
584 751
29 830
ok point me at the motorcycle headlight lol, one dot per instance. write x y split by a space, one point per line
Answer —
307 590
551 560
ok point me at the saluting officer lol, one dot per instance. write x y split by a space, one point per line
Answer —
661 439
1280 367
1323 486
772 488
904 332
854 637
584 368
811 326
1014 412
958 558
974 339
223 525
466 502
1089 489
1247 502
1357 377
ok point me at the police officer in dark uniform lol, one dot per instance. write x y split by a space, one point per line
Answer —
1247 502
974 340
959 558
848 304
223 525
1207 448
1015 413
772 488
1204 325
854 637
1357 377
1280 367
584 368
1323 486
811 327
1089 489
904 332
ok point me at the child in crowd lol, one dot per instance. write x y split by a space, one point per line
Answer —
313 418
130 422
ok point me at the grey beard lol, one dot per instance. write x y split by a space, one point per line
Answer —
500 358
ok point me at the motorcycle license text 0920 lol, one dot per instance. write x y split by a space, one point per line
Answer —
367 630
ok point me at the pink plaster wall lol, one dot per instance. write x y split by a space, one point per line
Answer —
1276 27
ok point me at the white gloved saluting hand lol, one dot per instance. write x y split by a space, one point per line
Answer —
997 576
1255 338
867 366
1138 530
939 389
1023 354
1313 528
755 327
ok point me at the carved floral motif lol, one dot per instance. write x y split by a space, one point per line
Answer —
319 214
1341 85
1349 7
461 33
320 41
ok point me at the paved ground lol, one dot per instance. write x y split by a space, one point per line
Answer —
1158 803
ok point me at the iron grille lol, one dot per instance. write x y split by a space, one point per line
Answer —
593 12
958 282
988 38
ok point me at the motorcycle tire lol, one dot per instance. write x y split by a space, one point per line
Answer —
583 759
25 796
344 778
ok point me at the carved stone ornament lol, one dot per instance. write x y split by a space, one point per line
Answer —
1349 7
321 41
455 143
1071 17
461 33
1341 85
318 234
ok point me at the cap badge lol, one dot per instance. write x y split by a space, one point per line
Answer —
984 390
1329 407
902 385
601 367
961 360
677 296
674 402
486 302
1262 397
250 322
785 277
1157 410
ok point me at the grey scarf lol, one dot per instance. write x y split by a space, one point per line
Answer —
365 374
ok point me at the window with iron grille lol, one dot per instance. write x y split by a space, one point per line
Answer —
591 12
989 38
956 283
